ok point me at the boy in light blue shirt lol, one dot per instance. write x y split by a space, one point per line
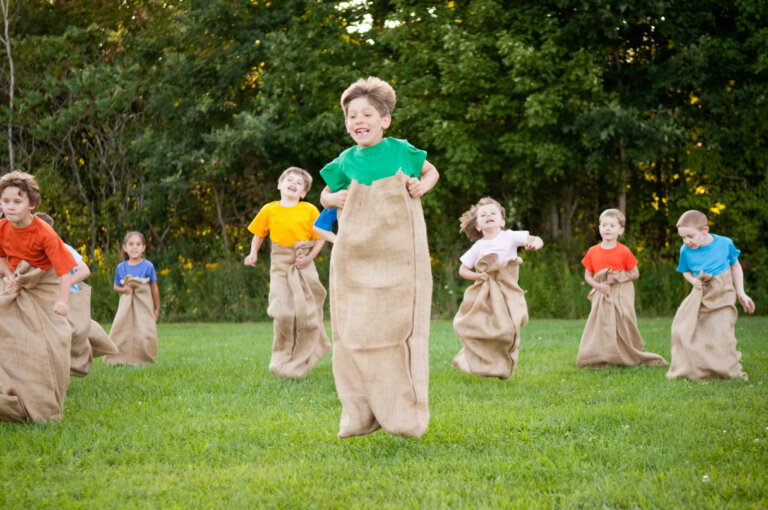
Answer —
703 335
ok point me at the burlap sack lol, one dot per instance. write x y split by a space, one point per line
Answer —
703 337
134 331
79 318
489 320
101 344
89 340
296 299
611 336
381 293
34 348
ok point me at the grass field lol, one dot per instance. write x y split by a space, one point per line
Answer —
207 426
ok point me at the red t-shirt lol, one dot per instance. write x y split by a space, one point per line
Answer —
36 243
618 258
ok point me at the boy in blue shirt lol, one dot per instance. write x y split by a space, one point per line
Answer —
703 338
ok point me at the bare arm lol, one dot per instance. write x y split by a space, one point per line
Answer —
426 181
329 199
123 289
250 259
605 288
466 272
737 273
10 280
693 280
62 304
533 243
155 298
634 273
325 235
303 261
82 271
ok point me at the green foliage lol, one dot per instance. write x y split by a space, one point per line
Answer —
175 118
208 426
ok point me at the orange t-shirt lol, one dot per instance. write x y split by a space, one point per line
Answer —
36 243
618 258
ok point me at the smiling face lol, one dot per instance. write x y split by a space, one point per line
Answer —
694 237
292 186
489 219
17 207
610 228
364 122
134 246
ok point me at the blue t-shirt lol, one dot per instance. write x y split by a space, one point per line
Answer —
326 220
74 288
715 258
143 269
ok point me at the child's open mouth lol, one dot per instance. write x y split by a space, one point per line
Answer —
361 132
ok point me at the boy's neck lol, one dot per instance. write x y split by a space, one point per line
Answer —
607 245
491 233
289 202
23 223
708 238
372 145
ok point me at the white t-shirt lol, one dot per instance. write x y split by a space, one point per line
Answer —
504 245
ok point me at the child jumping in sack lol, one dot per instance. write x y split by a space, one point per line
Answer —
381 281
134 328
703 337
296 295
34 302
493 310
611 336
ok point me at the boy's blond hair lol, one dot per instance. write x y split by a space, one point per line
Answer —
378 92
468 220
300 172
614 213
25 182
694 219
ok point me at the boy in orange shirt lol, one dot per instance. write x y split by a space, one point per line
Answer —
34 333
611 336
296 295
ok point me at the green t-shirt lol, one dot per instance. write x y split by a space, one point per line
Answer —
369 164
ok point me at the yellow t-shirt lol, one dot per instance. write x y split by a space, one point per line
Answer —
285 225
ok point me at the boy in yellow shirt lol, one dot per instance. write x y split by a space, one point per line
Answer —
296 295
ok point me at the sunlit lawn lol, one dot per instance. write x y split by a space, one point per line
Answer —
207 426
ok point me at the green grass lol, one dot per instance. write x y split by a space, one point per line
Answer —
207 426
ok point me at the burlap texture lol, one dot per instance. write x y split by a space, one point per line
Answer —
703 337
489 320
611 336
34 348
134 331
381 293
79 318
296 299
101 344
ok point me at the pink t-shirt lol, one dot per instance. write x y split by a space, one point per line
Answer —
504 245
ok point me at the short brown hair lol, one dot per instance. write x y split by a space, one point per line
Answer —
693 218
45 217
378 92
25 182
298 171
614 213
468 220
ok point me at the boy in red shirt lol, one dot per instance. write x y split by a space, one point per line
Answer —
26 237
611 336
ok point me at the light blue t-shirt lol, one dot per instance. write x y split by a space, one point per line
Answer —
715 258
143 269
327 219
74 288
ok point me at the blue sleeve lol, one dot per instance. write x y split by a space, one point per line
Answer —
326 220
119 273
733 253
151 272
682 266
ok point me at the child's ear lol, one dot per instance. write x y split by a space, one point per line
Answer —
705 229
386 121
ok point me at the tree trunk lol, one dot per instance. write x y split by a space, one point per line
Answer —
6 40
